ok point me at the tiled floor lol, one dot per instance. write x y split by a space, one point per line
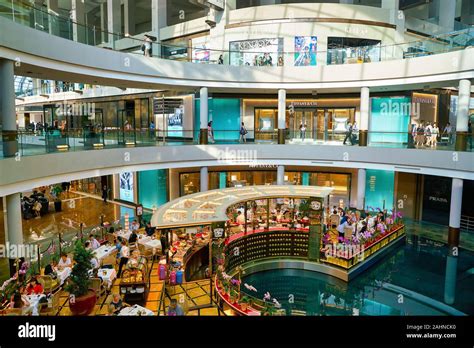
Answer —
188 294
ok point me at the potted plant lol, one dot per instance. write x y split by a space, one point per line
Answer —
245 302
82 299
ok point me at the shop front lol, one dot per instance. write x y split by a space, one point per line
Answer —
307 120
189 182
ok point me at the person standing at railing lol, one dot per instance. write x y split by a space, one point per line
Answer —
152 129
302 131
434 135
448 130
428 132
420 135
355 133
243 133
147 46
348 136
210 133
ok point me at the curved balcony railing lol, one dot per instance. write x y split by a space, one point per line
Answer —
26 14
41 142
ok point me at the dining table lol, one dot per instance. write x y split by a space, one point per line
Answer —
103 251
108 275
34 301
135 310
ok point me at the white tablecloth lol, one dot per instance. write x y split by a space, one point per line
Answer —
148 242
133 310
63 274
109 275
123 234
104 251
34 303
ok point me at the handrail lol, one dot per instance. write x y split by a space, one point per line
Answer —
385 52
40 141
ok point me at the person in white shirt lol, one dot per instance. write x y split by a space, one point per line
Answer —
434 135
240 219
95 263
64 262
428 134
94 242
124 256
135 225
342 227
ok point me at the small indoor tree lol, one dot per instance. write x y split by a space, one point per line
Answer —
82 299
79 279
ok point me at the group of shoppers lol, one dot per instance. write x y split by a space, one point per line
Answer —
426 134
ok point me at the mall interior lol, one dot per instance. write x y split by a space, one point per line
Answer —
236 158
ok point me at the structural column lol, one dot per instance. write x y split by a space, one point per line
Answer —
281 116
114 20
280 175
53 9
7 108
103 23
129 17
364 115
14 229
453 241
462 116
361 180
447 12
204 179
158 20
204 112
77 16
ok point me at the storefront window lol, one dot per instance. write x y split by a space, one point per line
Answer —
343 50
92 186
189 183
257 52
265 123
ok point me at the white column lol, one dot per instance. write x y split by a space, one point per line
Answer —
447 12
103 22
453 241
281 109
364 108
114 20
129 16
53 9
364 116
204 107
14 224
361 180
158 20
456 203
281 175
462 115
7 108
204 179
77 16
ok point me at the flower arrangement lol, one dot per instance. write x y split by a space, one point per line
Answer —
245 302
